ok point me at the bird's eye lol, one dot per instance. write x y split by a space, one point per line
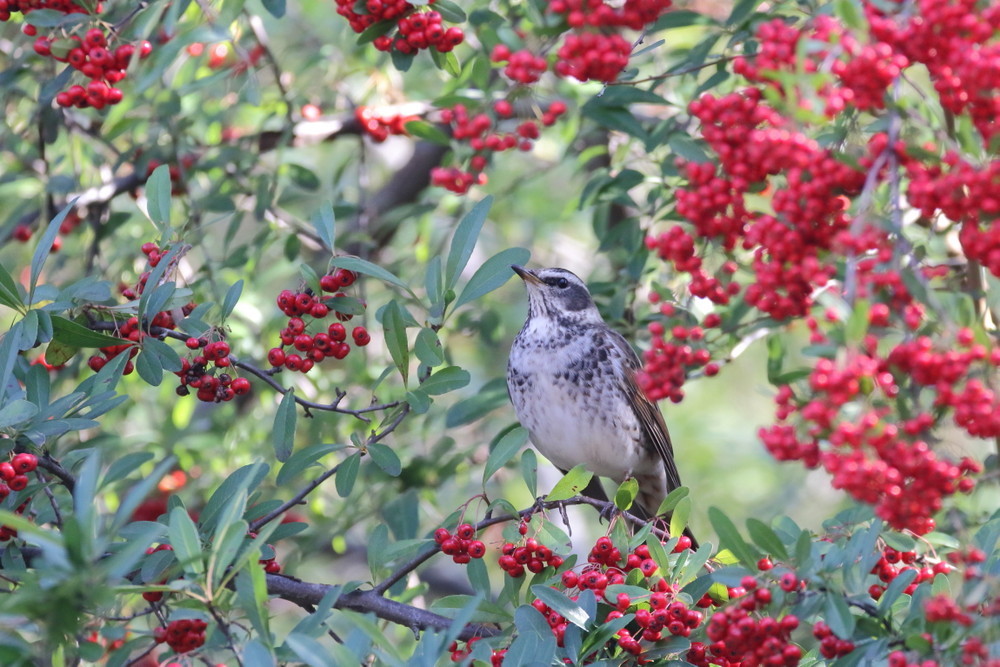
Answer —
562 283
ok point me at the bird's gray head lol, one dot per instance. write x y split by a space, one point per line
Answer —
558 294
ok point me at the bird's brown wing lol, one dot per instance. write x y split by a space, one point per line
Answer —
650 418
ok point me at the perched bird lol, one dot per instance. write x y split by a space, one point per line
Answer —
572 381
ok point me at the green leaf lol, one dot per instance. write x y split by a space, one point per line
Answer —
419 401
421 129
300 460
283 434
158 198
325 223
679 517
535 644
572 483
896 588
450 12
492 274
529 471
232 298
359 265
490 396
428 348
626 493
850 13
9 294
17 412
687 148
464 241
670 502
275 8
730 538
303 177
765 538
839 616
394 330
309 651
741 10
44 246
76 335
149 368
445 380
385 458
568 609
185 541
504 450
346 475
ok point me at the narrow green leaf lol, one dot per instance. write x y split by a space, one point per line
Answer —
479 578
303 459
74 334
492 274
225 546
325 223
850 13
895 589
679 517
839 616
670 502
283 434
572 483
765 538
394 330
529 471
44 246
421 129
17 412
158 188
359 265
450 11
9 294
347 474
385 458
687 148
504 451
309 651
568 609
445 380
185 541
741 11
730 538
464 241
149 368
428 348
626 493
232 298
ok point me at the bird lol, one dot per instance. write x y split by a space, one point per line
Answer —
572 381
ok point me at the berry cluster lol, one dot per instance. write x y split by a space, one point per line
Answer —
460 653
183 636
942 609
666 364
874 459
23 232
14 474
864 71
481 133
194 373
316 347
379 127
593 49
521 66
831 646
462 546
415 30
739 637
531 556
893 563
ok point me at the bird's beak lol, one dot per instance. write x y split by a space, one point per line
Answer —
527 275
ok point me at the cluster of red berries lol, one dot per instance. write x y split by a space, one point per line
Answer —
415 29
893 563
831 646
740 637
14 473
460 653
183 636
593 49
92 57
129 331
874 459
667 363
956 42
194 373
521 66
378 126
480 132
531 556
316 347
942 609
462 545
864 71
932 188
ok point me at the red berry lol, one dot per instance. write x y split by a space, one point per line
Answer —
24 462
276 356
241 386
